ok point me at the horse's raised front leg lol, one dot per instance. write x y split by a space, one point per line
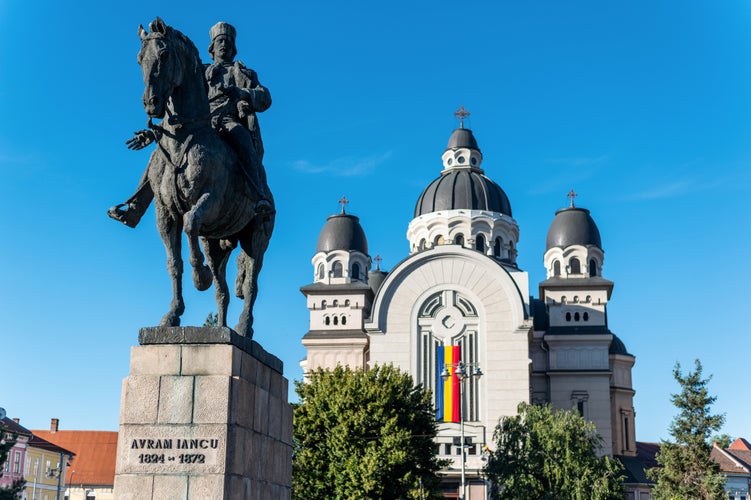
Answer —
171 232
192 224
217 257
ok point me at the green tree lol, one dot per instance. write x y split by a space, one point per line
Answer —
723 440
685 470
363 435
211 320
543 453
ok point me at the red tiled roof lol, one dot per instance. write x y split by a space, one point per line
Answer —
94 463
740 444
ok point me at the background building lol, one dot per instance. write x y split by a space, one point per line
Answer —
91 474
12 469
459 296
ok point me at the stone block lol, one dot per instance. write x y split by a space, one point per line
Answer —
172 488
242 402
249 368
209 359
140 400
133 487
207 487
240 488
287 413
275 417
211 404
175 400
237 446
261 420
155 360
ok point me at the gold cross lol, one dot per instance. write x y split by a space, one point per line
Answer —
571 195
461 113
343 201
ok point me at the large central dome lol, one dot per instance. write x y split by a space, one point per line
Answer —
462 184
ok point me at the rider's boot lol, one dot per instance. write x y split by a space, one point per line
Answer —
130 212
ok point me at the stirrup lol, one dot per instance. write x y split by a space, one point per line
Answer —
127 217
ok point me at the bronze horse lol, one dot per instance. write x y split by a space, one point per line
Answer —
197 180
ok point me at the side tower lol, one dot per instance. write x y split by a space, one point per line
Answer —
339 298
578 362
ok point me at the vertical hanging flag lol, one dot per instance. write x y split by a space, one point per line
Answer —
447 392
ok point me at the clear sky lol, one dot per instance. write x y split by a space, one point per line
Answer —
642 107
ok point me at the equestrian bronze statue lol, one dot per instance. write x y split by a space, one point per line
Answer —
206 175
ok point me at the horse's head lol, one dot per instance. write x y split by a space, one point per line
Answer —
161 66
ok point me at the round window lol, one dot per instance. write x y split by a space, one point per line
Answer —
460 159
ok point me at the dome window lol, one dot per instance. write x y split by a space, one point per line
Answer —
336 269
592 267
568 316
497 247
480 243
459 240
473 161
438 240
450 162
576 317
327 320
556 268
344 320
461 159
336 320
575 266
355 275
422 244
320 274
585 316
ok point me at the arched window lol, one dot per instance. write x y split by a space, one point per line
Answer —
327 320
556 268
422 244
336 320
576 317
355 271
480 243
344 320
497 247
586 316
336 269
320 271
592 267
438 240
459 240
568 316
575 266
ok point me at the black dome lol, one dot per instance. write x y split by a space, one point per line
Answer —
618 347
462 138
573 226
462 186
342 232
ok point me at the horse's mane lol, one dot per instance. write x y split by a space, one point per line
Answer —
196 66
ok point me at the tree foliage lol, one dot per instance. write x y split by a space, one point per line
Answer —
543 453
685 469
362 435
211 320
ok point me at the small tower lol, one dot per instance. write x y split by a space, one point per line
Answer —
339 298
588 366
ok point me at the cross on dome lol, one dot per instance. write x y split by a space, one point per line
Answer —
343 201
571 195
461 113
378 260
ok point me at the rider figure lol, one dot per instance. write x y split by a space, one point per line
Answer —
235 95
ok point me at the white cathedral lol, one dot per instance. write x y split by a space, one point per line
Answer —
459 297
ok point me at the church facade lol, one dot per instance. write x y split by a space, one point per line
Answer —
458 314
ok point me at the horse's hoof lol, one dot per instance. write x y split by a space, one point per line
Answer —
202 278
170 319
245 330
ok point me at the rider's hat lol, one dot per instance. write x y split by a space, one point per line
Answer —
222 28
226 29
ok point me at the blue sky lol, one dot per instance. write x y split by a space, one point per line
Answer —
642 107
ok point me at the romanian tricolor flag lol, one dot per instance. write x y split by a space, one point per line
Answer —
447 392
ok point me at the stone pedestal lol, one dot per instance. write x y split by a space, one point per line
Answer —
204 415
